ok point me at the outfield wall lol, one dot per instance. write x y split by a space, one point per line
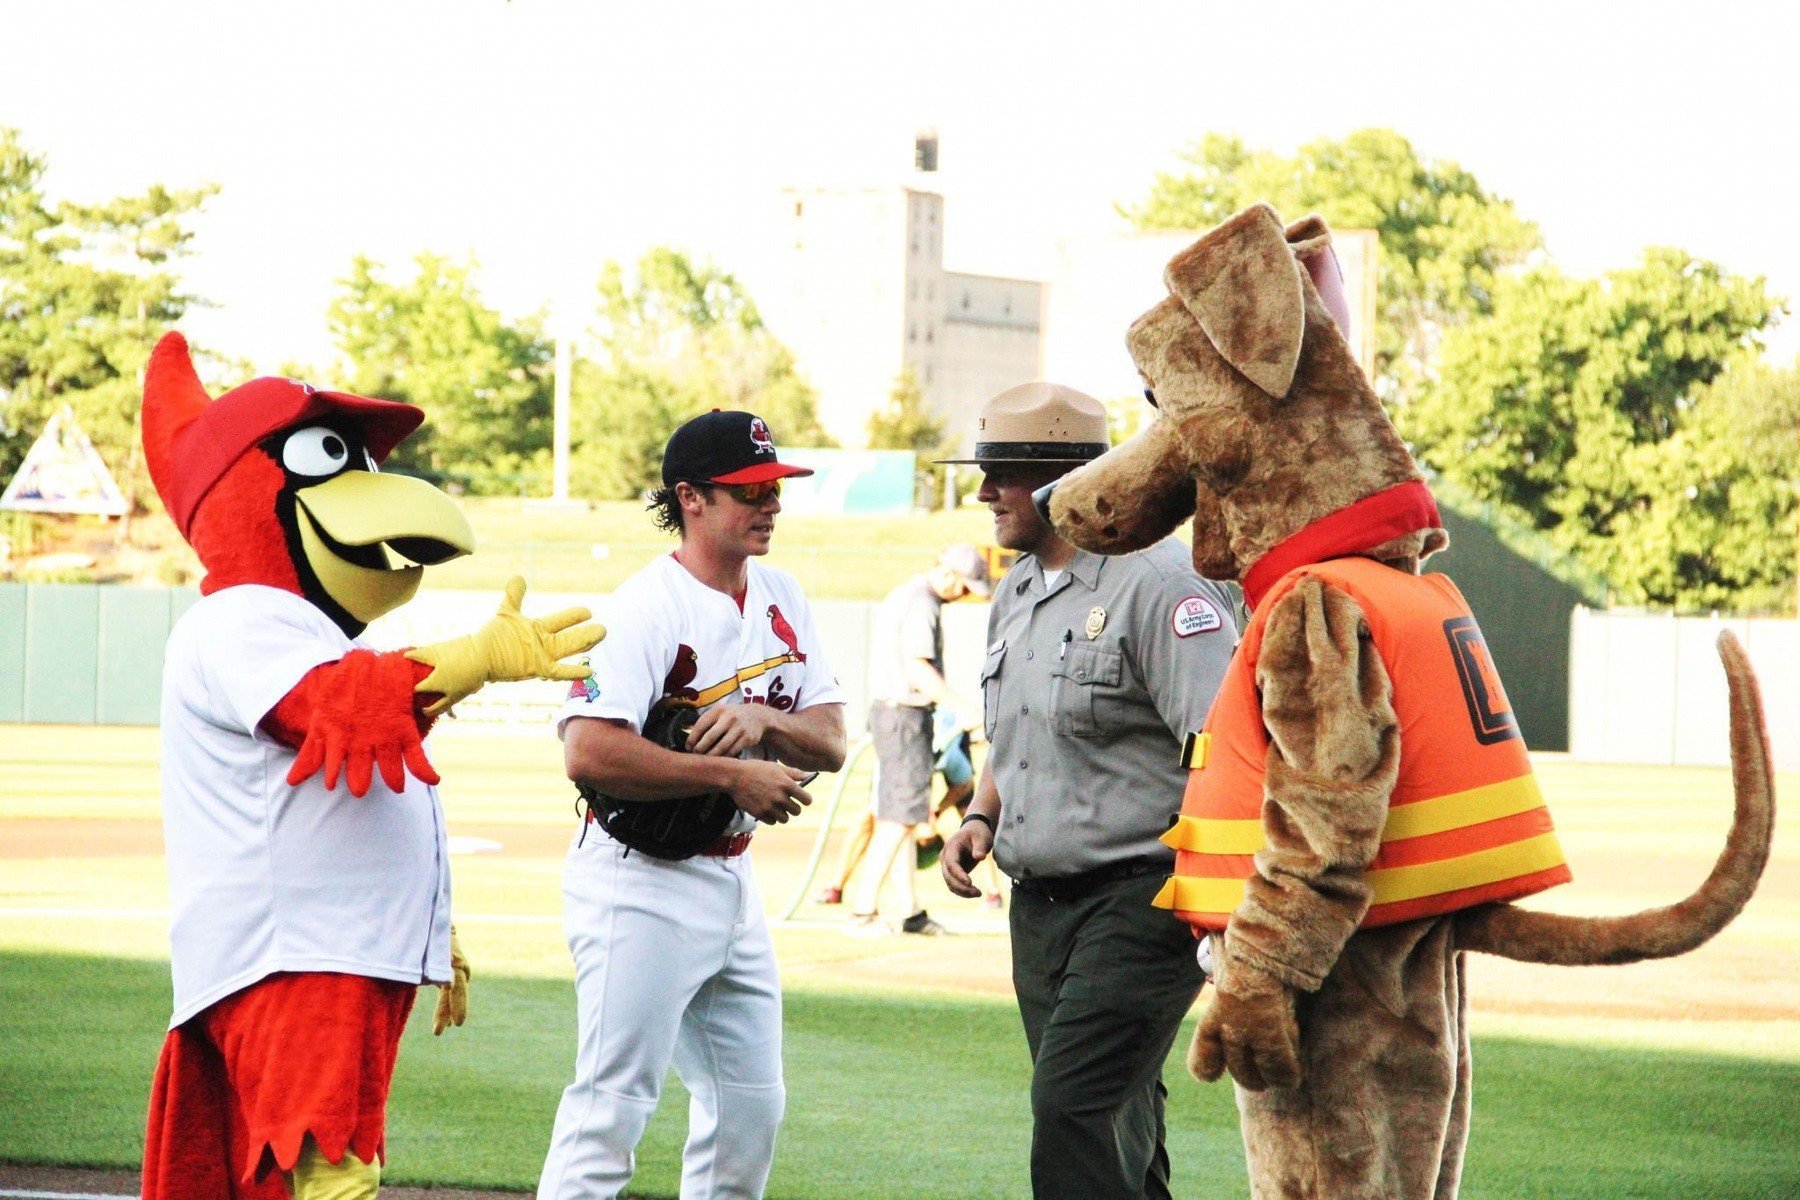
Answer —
1648 687
1642 688
84 654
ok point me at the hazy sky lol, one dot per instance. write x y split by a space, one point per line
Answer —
545 136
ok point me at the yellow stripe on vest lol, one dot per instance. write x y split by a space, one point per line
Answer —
1462 809
1205 835
1471 870
1187 893
1211 895
1193 750
1199 835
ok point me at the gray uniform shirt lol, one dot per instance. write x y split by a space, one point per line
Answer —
908 626
1088 689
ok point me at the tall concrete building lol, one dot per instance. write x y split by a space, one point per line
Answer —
856 286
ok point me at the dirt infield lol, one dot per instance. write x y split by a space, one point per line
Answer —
1737 977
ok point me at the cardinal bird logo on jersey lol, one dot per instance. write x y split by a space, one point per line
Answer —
786 633
678 683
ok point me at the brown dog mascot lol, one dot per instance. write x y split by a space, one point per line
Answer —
1361 809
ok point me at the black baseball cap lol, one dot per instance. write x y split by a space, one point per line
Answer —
724 447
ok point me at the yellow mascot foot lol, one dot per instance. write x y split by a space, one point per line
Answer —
314 1178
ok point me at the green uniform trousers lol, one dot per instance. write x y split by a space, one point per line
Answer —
1103 981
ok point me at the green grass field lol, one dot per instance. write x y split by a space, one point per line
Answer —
906 1067
594 547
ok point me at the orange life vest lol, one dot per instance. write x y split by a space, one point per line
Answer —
1466 823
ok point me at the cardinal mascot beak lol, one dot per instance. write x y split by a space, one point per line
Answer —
369 537
276 483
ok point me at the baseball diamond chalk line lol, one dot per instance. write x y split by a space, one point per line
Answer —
163 915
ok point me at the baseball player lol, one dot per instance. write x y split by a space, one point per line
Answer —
673 959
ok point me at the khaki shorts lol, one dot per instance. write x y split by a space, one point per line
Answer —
902 736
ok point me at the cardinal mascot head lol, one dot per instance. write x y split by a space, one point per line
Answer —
278 483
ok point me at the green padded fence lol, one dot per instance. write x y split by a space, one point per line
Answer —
92 653
1524 612
83 654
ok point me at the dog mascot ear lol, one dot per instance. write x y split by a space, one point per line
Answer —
1244 289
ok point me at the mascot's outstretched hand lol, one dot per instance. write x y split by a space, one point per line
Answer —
511 646
354 717
453 997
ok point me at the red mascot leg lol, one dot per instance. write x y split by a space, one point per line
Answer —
240 1087
195 1138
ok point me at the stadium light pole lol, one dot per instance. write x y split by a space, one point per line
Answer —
559 417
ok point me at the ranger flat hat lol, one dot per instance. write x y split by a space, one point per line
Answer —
1039 423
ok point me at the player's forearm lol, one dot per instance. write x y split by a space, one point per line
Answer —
610 758
811 739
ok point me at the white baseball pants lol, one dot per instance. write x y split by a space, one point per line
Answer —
673 965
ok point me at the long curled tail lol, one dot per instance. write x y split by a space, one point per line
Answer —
1528 936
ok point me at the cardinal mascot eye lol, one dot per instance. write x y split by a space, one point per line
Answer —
320 451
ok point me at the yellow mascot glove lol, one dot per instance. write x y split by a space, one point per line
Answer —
510 646
453 997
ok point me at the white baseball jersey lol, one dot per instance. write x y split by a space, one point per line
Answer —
671 639
263 876
673 959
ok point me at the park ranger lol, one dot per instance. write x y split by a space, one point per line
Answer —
1096 669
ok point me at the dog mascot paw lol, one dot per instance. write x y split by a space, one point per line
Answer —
1340 869
307 861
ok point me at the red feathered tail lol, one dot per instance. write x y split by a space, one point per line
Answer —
311 1056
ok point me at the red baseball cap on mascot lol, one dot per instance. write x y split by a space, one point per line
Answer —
724 447
204 436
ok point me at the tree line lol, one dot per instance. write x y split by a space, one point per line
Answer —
1628 419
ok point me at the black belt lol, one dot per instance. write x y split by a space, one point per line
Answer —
1074 887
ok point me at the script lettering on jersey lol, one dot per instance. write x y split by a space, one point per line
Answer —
775 697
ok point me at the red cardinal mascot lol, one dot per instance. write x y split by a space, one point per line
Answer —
304 913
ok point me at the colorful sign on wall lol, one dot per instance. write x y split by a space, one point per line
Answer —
877 482
63 473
